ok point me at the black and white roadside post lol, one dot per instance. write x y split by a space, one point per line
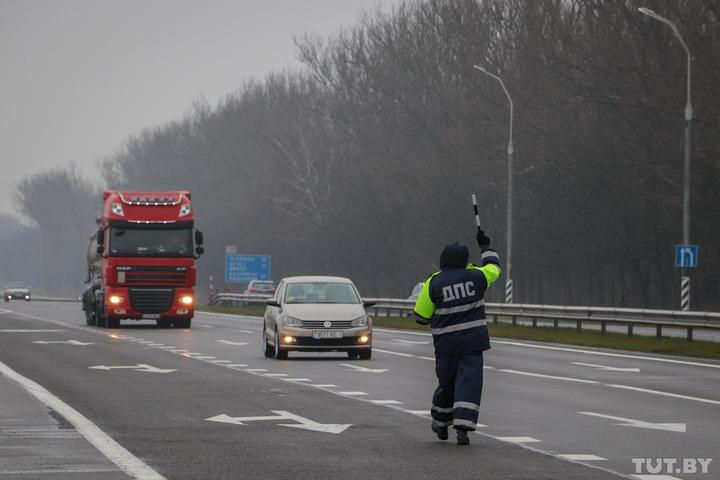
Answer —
508 269
685 275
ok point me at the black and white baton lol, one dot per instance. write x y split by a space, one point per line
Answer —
477 217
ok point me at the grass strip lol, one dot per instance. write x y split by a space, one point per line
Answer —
569 336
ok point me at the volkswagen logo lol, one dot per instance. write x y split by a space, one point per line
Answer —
327 324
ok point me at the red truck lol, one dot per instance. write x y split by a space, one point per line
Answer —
141 261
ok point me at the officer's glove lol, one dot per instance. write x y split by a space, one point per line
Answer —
482 239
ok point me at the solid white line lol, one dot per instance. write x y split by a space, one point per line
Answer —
386 402
351 394
426 358
256 370
276 374
125 460
27 330
205 358
666 394
418 412
324 386
554 377
220 361
581 457
237 365
297 379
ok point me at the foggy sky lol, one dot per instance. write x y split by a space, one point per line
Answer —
81 76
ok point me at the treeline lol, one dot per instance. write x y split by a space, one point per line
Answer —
362 163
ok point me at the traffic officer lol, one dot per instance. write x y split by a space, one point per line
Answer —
451 302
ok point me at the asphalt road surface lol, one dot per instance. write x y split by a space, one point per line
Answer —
204 403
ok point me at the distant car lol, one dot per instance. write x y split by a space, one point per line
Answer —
316 314
262 287
416 291
17 291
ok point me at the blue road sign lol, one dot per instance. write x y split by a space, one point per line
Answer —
686 256
243 268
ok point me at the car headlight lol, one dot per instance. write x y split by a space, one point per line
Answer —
291 321
360 321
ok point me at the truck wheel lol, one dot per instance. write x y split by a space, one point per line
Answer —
112 322
280 354
90 318
366 354
268 349
99 320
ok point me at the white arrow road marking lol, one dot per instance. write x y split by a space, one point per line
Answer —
358 368
411 342
67 342
303 422
629 422
228 342
608 368
140 367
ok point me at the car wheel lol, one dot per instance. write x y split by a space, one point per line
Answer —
268 349
366 354
280 354
353 354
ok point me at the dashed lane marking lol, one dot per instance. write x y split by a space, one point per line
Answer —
276 374
666 394
352 394
519 439
554 377
29 330
581 457
251 370
386 402
327 385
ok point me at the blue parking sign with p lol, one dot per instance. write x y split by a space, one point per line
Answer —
686 256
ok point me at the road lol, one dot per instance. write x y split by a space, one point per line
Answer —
175 409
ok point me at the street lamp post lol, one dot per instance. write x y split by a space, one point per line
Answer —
509 282
685 275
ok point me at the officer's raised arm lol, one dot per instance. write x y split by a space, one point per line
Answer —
489 259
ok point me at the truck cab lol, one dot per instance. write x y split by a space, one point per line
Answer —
141 260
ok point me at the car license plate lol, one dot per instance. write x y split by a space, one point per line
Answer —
151 316
327 334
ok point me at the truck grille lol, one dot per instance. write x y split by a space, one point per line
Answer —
151 300
154 275
321 324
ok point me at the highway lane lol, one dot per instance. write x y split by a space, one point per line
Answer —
541 412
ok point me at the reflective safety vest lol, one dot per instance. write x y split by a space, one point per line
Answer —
452 300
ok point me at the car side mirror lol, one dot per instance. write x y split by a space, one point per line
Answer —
100 249
368 303
199 250
198 237
272 302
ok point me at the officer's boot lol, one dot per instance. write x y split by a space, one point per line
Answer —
462 437
441 432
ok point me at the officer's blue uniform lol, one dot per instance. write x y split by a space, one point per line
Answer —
452 301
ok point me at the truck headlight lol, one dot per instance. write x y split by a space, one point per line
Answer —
360 321
115 299
186 299
291 321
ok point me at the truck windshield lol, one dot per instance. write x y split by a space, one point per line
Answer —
135 242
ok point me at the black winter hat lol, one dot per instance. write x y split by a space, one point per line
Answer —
454 255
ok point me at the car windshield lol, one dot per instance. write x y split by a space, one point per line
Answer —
17 285
321 292
136 242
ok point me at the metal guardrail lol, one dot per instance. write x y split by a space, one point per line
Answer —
604 316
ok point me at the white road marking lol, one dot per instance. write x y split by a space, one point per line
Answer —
172 348
205 357
125 460
328 385
629 422
581 457
386 402
519 439
67 342
140 367
156 345
666 394
145 341
488 367
29 330
237 365
400 354
247 331
411 342
221 361
656 477
297 379
608 368
432 359
191 354
207 326
276 374
418 412
228 342
256 370
352 394
359 368
554 377
304 423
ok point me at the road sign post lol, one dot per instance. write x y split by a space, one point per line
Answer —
686 256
